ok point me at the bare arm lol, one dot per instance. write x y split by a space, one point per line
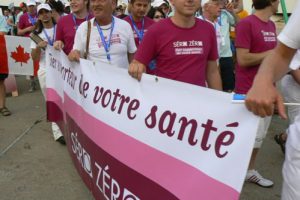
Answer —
213 77
263 96
25 30
136 69
36 53
130 57
296 75
247 59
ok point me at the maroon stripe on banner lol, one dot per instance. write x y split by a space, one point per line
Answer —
107 177
3 56
54 113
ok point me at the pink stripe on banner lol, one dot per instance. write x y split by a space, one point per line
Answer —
181 179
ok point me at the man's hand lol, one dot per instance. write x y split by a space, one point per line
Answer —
136 69
74 56
262 98
58 45
42 44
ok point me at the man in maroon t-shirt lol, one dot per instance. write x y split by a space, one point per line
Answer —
255 38
184 47
138 19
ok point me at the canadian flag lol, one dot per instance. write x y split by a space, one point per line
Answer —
15 57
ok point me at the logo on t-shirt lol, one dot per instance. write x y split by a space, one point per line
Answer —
269 36
115 39
188 47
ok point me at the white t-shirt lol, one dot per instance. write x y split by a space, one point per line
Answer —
290 35
33 45
217 27
121 43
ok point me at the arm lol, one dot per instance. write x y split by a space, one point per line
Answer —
36 52
213 77
263 95
130 57
247 59
296 75
136 69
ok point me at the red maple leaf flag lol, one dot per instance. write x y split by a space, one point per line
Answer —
20 55
15 56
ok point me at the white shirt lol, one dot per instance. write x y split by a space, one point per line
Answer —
50 32
290 35
121 43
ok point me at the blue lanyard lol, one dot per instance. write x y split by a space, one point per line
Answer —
140 33
106 44
47 36
74 20
220 20
32 20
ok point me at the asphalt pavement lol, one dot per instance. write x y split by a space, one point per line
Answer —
35 167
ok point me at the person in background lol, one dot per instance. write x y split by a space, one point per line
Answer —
23 8
120 11
45 29
164 5
3 109
25 26
255 39
156 14
57 8
67 9
68 25
9 20
138 20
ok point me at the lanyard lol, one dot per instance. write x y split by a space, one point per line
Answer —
32 20
140 33
106 44
47 36
74 20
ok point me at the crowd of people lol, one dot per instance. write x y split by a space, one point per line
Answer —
209 43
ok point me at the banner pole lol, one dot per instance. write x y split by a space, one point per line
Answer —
284 11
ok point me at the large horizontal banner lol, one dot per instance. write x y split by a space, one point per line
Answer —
154 139
15 56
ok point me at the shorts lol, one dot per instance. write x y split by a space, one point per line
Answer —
3 76
291 173
262 130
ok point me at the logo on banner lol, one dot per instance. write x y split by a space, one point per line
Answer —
20 55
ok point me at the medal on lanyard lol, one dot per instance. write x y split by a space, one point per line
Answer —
74 20
107 44
32 20
140 33
48 38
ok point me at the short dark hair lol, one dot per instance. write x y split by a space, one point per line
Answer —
58 6
262 4
153 10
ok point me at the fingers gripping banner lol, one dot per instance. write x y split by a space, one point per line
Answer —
154 139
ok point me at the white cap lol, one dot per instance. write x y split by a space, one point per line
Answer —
38 1
158 3
31 3
203 2
43 6
67 4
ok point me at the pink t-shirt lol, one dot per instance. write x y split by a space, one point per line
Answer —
147 23
181 53
257 36
66 29
25 22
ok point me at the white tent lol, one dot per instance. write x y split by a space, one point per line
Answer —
7 2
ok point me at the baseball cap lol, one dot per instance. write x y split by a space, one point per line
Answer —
22 5
158 3
31 3
43 6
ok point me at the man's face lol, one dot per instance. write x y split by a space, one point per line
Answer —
139 8
31 9
275 5
6 13
102 8
214 8
165 8
186 7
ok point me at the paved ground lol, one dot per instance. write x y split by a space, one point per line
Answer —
35 167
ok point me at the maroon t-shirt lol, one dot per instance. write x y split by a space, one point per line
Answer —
147 23
257 36
180 53
25 22
66 29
